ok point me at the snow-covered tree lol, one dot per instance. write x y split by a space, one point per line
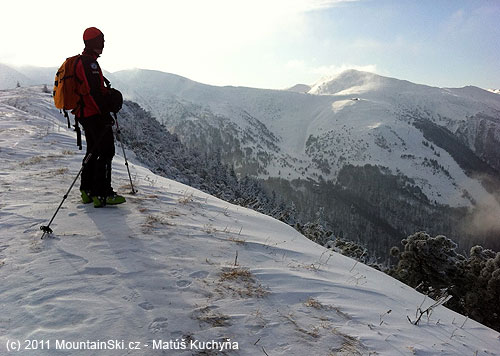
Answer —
433 266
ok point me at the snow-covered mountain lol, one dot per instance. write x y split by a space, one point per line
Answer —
9 77
432 148
25 75
39 75
300 88
355 118
177 271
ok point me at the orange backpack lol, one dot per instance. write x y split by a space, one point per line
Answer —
67 91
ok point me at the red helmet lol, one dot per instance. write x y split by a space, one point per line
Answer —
93 38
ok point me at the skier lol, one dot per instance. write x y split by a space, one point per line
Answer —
93 112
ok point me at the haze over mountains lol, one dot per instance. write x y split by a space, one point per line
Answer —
439 144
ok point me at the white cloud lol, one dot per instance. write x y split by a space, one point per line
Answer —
217 41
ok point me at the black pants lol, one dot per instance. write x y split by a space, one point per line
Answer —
96 174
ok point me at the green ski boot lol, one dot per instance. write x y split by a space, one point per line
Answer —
86 198
114 199
99 202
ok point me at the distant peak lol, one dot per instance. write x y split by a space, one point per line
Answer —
299 88
355 75
351 80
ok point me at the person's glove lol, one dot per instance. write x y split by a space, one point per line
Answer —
108 120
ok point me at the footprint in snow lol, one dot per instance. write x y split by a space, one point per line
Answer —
199 274
132 297
146 305
175 272
183 283
158 325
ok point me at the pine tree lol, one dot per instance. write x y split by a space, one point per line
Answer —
432 265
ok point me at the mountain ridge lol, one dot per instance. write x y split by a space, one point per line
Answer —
34 73
231 102
376 121
369 120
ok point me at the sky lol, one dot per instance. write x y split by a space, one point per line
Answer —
266 43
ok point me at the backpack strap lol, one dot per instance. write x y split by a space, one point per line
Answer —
107 82
81 106
67 117
78 134
77 126
77 130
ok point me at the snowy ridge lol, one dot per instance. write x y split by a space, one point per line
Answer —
300 88
10 77
174 263
354 118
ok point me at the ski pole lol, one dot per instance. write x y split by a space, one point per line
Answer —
124 155
46 228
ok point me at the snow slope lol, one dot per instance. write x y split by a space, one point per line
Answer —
175 264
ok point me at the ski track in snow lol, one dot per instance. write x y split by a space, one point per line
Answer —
162 266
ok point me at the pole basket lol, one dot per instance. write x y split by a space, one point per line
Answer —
46 230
